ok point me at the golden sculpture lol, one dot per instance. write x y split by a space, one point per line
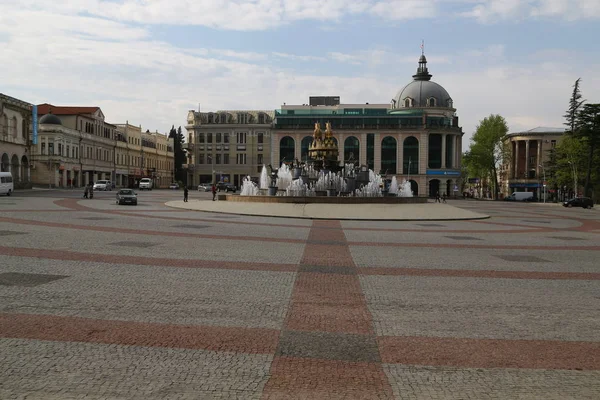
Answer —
323 149
328 132
317 135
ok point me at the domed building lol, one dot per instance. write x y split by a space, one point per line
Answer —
416 137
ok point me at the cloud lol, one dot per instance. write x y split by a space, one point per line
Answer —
487 11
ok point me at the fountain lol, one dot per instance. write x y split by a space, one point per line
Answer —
321 179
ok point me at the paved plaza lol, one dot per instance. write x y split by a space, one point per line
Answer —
100 301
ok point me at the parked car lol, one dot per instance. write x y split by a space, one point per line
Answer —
174 186
6 183
520 196
227 187
127 196
204 187
103 185
145 183
584 202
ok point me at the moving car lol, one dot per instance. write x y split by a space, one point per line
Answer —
103 185
520 196
126 196
6 183
145 183
204 187
584 202
174 186
227 187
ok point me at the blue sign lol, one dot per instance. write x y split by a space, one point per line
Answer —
35 125
443 172
525 185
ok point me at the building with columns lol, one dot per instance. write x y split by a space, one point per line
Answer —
416 137
227 145
15 138
529 154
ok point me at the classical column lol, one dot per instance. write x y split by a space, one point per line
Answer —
538 158
363 149
516 171
297 146
399 155
340 140
527 159
444 150
377 155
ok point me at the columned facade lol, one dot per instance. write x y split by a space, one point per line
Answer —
15 137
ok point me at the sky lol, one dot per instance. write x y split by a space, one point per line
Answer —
150 61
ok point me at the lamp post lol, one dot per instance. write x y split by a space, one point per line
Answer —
544 172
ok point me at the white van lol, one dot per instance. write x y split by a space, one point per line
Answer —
520 196
6 183
145 183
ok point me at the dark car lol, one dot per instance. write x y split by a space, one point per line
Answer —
227 187
584 202
126 196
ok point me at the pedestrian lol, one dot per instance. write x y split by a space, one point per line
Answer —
185 193
443 197
437 197
86 191
214 191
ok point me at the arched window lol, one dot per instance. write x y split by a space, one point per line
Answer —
435 150
286 149
434 187
351 149
3 122
410 156
306 141
13 128
449 103
408 102
431 102
223 118
210 118
261 118
388 155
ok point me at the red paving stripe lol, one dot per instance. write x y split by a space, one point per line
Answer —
474 246
300 378
464 273
75 329
490 353
329 303
66 255
145 232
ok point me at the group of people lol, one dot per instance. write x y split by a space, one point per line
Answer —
442 199
186 192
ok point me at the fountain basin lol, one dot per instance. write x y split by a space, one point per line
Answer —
322 199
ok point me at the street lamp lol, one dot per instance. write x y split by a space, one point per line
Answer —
544 172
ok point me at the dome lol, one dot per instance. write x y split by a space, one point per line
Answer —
50 119
420 92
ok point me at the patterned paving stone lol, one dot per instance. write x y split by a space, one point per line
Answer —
328 346
27 280
420 382
192 226
522 258
570 238
328 269
463 238
39 370
9 233
142 245
96 218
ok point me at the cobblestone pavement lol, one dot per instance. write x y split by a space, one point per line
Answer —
100 301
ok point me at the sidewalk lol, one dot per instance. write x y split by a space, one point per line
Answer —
371 212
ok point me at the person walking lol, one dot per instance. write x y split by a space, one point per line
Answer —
214 191
185 193
437 197
86 191
444 197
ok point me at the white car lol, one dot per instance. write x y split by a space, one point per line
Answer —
204 187
145 183
103 185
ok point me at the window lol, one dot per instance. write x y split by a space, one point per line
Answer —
217 138
449 103
225 158
241 137
553 143
43 147
223 118
50 149
209 138
241 159
408 102
200 138
68 151
259 159
260 137
218 159
431 102
261 118
226 138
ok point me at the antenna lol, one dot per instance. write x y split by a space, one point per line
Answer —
198 107
422 47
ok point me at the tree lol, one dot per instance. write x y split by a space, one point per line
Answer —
488 147
588 129
568 159
574 105
180 157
